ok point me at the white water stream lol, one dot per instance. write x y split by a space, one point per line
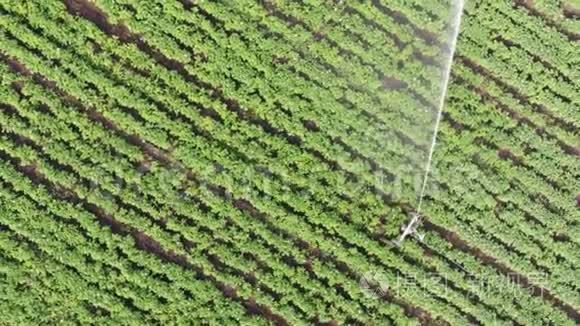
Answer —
457 10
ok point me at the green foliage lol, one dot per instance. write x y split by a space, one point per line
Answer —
242 160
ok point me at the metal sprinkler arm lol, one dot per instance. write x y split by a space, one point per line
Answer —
410 228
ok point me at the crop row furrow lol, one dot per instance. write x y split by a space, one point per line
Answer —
31 279
105 179
521 135
523 77
69 248
565 13
93 253
329 125
513 49
572 36
143 241
484 280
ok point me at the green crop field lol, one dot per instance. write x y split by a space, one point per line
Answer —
250 162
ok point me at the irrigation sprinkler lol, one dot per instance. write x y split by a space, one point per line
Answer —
410 229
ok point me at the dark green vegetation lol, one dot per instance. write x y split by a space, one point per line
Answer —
171 162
